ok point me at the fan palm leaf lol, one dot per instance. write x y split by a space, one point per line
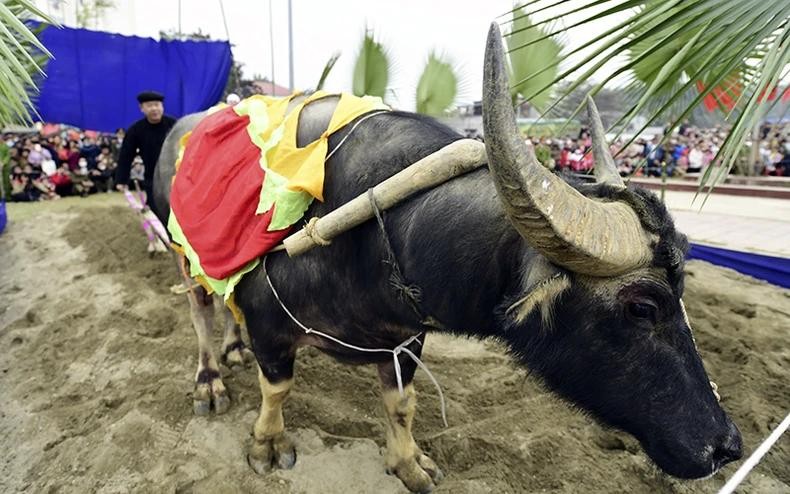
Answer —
437 87
538 54
372 68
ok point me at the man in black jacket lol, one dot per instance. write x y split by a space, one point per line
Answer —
144 138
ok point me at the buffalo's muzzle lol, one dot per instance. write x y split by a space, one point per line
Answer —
729 449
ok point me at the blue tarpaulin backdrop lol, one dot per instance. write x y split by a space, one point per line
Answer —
3 215
94 78
774 270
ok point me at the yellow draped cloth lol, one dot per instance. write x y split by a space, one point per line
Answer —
293 176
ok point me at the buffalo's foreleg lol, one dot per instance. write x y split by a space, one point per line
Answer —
404 458
209 388
271 448
234 351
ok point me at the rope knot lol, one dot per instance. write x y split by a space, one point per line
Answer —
311 231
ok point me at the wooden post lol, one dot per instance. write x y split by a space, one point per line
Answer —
754 155
455 159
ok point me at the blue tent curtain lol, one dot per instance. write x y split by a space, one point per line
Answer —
774 270
94 77
3 215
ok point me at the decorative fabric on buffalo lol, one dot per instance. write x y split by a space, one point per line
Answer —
241 183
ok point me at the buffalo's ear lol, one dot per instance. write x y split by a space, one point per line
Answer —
545 283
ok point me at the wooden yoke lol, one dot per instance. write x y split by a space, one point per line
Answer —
457 158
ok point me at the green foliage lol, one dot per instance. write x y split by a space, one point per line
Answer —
5 170
549 128
327 69
21 58
646 68
90 11
235 79
437 87
738 46
372 68
661 63
174 34
543 153
539 57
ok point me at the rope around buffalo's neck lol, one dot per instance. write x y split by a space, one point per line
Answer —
402 348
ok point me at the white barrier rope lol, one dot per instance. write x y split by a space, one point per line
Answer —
756 456
402 348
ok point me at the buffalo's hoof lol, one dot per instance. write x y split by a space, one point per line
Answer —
274 452
210 393
237 356
419 474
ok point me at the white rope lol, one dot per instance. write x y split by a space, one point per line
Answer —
353 127
402 348
756 456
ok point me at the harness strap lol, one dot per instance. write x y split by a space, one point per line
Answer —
402 348
408 293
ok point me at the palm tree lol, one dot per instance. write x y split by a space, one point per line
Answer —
89 12
21 58
330 64
436 89
438 86
677 53
531 51
372 68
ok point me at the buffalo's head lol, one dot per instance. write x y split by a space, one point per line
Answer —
601 318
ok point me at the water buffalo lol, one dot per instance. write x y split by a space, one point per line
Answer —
583 283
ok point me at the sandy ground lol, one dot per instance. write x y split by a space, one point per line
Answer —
97 359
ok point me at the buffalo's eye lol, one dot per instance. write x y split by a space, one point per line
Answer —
644 311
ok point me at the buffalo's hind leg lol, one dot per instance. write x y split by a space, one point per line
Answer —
234 352
271 447
404 458
209 388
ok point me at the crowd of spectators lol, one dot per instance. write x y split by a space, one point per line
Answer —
687 150
66 163
74 163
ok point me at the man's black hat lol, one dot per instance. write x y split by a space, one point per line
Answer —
150 96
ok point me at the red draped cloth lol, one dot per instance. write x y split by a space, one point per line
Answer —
216 192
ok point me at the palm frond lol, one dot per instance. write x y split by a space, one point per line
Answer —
327 69
371 70
536 56
437 87
677 53
21 57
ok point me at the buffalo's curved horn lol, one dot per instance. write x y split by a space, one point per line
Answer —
571 230
605 170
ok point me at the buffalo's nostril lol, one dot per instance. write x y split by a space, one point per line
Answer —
730 449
